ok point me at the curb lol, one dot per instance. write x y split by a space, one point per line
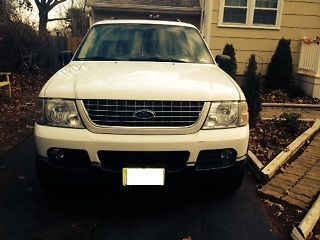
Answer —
302 119
289 151
294 105
255 165
306 226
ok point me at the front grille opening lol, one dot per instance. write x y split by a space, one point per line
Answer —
211 159
130 113
115 161
69 158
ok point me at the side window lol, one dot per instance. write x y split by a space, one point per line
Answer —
250 13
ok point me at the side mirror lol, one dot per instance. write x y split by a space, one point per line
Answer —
64 57
224 62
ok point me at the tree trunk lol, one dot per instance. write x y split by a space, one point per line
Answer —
43 21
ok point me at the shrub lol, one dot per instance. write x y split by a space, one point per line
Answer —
296 92
279 72
290 122
22 50
252 90
229 50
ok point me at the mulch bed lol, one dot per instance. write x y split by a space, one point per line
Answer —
17 114
279 96
268 138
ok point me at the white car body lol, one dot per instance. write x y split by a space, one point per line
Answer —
156 81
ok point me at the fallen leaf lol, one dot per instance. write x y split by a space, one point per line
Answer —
187 238
278 214
74 225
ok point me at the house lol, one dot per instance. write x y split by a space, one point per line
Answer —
255 26
252 26
171 10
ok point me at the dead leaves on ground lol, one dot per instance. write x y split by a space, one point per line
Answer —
17 114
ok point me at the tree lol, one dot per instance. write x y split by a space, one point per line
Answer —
229 50
78 21
44 7
252 89
279 72
3 11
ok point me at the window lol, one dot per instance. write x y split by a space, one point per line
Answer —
250 13
144 42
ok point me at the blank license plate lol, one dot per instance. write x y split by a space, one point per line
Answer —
143 176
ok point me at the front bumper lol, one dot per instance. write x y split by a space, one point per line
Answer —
52 137
189 176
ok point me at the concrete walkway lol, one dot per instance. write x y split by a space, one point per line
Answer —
306 113
300 182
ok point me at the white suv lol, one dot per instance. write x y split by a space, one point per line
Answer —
142 101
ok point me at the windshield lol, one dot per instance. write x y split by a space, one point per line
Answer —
143 42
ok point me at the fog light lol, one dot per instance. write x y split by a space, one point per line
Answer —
226 156
57 154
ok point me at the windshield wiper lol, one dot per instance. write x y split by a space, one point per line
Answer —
98 59
158 59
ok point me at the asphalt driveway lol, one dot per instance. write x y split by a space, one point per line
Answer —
27 212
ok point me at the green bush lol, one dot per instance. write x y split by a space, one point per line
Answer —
229 50
252 90
279 72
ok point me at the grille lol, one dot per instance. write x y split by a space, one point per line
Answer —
172 161
127 113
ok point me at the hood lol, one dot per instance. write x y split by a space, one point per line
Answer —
142 81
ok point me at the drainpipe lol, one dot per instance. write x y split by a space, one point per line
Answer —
208 5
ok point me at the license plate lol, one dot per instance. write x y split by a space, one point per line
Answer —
143 176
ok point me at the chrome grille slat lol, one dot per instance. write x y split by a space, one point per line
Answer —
119 113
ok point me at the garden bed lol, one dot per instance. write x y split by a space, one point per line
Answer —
279 96
17 114
269 137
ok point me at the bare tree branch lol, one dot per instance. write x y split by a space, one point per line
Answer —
37 3
55 3
57 19
44 7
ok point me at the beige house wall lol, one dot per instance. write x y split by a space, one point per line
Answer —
299 18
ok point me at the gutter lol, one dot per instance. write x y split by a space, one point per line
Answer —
145 8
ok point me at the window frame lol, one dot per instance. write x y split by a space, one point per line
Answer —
250 16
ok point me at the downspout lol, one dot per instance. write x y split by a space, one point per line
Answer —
202 6
208 5
92 19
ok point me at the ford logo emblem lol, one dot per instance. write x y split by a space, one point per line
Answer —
144 114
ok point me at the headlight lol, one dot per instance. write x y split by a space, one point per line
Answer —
58 113
227 115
